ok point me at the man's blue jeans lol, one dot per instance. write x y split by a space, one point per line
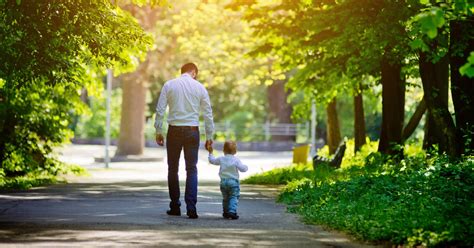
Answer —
230 189
179 138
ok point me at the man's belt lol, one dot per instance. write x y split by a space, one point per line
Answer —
195 128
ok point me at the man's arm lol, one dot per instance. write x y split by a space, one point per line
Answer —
207 114
160 113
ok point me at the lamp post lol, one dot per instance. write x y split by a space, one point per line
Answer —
313 129
107 128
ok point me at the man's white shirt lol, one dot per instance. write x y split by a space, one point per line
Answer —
186 98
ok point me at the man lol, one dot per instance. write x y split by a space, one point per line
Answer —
186 97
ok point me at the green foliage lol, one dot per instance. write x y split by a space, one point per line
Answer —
327 55
331 48
152 3
49 51
242 127
428 206
92 123
468 68
36 120
424 199
217 40
434 18
52 41
430 21
282 175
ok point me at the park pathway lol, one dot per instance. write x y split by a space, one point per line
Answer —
125 206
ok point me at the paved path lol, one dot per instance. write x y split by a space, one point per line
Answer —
125 206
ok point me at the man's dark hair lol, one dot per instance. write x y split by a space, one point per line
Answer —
189 67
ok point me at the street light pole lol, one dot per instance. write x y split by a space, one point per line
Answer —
107 129
313 129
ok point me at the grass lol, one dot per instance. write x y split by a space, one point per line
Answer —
423 199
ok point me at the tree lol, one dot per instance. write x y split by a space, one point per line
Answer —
462 86
433 25
216 40
378 38
132 120
334 132
279 109
371 41
135 86
359 121
48 52
393 103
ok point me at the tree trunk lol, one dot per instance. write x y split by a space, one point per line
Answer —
414 120
359 122
132 122
393 103
334 133
429 138
440 127
462 87
134 86
8 121
280 110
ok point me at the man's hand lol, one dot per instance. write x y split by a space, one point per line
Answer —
159 139
208 145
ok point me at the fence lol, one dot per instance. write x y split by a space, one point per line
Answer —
262 131
250 137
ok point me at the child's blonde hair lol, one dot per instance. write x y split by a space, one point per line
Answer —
230 147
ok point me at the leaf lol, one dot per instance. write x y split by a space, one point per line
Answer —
419 44
18 2
430 21
471 58
468 68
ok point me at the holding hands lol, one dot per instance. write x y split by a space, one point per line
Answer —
208 146
160 140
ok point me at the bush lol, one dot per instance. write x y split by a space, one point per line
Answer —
424 199
281 175
43 69
92 124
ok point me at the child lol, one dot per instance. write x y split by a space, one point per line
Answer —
230 186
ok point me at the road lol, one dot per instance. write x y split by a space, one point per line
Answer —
125 205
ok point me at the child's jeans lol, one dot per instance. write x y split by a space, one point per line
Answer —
230 189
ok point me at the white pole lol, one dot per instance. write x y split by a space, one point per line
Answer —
313 129
267 130
107 129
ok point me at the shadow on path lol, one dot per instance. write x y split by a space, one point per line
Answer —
133 213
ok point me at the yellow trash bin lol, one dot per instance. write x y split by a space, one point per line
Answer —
301 153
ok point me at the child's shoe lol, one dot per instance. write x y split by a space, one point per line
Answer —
225 215
233 216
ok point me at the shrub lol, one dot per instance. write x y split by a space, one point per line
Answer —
423 199
91 124
281 175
